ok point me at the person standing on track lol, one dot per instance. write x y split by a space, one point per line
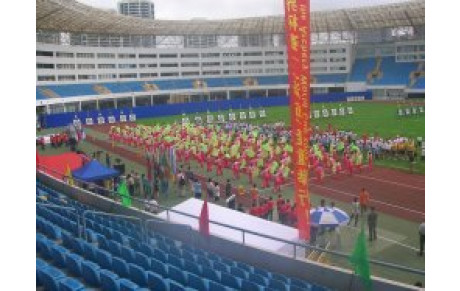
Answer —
372 223
363 200
421 233
354 211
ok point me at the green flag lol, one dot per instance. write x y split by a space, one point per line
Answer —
360 261
124 193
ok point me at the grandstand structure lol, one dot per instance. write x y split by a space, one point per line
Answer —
90 59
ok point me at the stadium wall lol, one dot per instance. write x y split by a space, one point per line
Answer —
330 276
63 119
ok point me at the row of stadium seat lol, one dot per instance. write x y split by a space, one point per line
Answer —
70 90
115 249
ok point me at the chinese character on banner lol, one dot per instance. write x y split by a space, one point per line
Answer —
297 27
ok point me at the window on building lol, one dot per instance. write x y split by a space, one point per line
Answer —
128 76
246 63
210 55
45 66
168 56
107 76
105 56
190 65
169 74
66 78
207 73
127 66
147 56
148 75
252 54
274 62
106 66
44 54
64 55
211 64
126 56
190 73
86 66
231 72
87 77
65 66
274 53
169 65
148 65
46 78
189 55
85 55
231 54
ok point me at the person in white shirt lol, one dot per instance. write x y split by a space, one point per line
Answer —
354 211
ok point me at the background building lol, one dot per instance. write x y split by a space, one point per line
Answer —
137 8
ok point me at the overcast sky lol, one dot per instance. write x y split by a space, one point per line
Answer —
219 9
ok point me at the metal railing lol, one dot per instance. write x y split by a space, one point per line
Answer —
245 232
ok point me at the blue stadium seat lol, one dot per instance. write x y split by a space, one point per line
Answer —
44 247
177 275
212 257
90 272
280 277
258 279
203 261
210 274
299 283
70 284
89 251
137 275
228 262
156 282
235 271
109 281
74 264
220 267
146 249
104 259
127 285
79 246
160 255
250 286
67 240
175 251
127 254
277 285
50 278
134 244
186 255
175 286
114 248
244 267
192 267
196 282
214 286
230 281
120 267
142 260
175 261
58 254
40 264
159 268
262 273
119 237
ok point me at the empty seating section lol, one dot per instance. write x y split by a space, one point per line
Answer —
116 256
394 73
39 95
361 68
331 78
70 90
273 80
420 83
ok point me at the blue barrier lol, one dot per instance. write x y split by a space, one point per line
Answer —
63 119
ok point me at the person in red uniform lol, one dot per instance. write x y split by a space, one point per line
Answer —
209 161
254 194
253 210
236 170
284 211
279 202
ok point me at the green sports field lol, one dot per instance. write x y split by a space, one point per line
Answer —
369 118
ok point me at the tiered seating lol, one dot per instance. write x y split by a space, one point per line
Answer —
70 90
101 89
116 257
394 73
330 78
273 80
420 83
48 93
361 68
40 95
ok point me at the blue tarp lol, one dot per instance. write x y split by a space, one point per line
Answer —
94 171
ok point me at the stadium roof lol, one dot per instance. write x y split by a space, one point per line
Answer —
72 16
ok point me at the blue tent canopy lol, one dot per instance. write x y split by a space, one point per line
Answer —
94 171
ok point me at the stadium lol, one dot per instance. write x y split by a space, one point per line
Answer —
167 156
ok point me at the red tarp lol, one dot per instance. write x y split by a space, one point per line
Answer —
56 165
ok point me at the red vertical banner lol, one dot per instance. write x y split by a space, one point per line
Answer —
297 30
